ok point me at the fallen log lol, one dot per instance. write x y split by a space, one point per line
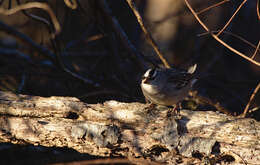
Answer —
128 129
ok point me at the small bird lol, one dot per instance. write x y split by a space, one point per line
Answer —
167 87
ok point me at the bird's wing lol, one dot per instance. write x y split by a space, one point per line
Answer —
179 79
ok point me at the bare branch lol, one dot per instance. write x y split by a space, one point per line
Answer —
148 36
217 38
250 100
49 54
37 18
256 50
210 7
233 35
71 4
231 18
257 9
39 5
122 35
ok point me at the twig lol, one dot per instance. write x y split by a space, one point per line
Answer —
231 17
77 76
71 4
122 35
56 45
27 40
250 100
210 7
218 39
43 50
256 50
147 34
232 34
30 5
257 9
82 38
37 18
95 37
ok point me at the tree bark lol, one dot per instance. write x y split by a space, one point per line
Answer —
128 129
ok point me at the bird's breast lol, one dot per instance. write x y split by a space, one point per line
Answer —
148 88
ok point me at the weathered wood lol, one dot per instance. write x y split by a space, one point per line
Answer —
126 129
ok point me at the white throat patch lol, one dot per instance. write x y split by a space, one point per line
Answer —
149 88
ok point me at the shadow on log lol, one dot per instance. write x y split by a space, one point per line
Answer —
128 129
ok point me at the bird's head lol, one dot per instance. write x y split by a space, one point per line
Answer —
149 75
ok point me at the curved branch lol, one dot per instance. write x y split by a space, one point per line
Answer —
257 9
71 4
35 5
218 39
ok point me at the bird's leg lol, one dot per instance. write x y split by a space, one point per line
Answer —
151 105
174 110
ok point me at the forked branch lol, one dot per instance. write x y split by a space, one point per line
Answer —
216 36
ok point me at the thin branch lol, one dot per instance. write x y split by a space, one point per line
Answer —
95 37
210 7
256 50
257 9
232 34
30 5
56 45
49 54
122 35
71 4
250 100
10 30
231 17
147 34
196 16
38 18
217 38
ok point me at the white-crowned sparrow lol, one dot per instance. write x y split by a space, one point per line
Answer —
167 87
